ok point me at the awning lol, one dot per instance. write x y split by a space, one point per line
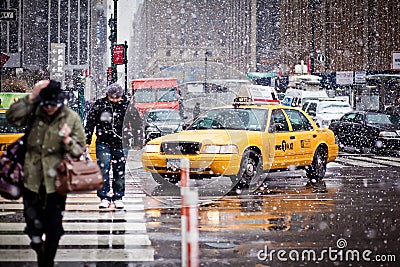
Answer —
260 75
383 76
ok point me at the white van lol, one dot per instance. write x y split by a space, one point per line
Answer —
295 97
323 111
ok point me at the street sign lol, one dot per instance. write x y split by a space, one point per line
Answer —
8 14
344 77
360 77
396 60
118 54
57 62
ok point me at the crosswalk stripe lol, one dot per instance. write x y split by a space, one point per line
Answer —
91 235
335 165
78 207
386 162
390 159
95 216
87 240
82 255
358 163
83 227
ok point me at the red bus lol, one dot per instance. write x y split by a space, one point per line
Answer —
156 93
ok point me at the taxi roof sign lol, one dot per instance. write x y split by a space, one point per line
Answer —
256 94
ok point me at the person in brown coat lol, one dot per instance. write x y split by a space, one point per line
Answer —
56 130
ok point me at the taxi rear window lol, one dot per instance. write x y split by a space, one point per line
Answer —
5 127
232 119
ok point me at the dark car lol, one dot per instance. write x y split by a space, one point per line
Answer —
369 131
161 121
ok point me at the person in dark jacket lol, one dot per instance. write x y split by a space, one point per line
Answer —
116 121
55 131
196 110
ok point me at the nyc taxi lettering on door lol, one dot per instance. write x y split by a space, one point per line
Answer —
284 146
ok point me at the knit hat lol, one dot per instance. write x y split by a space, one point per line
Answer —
114 90
52 95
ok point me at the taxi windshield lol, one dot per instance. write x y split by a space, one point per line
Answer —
232 119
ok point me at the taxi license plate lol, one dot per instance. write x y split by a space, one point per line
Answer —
173 164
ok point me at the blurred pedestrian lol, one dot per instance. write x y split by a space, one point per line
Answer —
56 130
116 121
196 110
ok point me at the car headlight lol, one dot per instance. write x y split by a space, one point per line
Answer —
150 148
152 129
220 149
387 134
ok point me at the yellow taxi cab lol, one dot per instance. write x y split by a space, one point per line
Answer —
8 133
243 141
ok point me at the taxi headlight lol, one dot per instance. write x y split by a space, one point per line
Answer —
220 149
149 148
387 134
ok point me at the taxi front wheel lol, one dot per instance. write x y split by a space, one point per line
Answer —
250 170
316 171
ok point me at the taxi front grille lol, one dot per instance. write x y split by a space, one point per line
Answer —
178 148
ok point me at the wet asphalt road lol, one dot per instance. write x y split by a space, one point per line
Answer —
352 221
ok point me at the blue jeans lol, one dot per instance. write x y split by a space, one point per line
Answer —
105 155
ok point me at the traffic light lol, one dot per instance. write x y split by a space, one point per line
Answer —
112 23
109 74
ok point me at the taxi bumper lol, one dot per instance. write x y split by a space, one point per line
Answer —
205 164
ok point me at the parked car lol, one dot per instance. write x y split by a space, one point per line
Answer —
243 141
369 131
323 111
161 121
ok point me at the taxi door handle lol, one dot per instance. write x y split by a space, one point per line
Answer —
293 137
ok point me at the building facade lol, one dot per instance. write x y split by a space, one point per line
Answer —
260 35
218 38
80 25
348 35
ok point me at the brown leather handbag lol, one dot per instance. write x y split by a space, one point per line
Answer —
78 176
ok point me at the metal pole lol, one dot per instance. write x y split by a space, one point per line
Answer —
189 221
205 71
126 66
312 5
114 42
312 39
